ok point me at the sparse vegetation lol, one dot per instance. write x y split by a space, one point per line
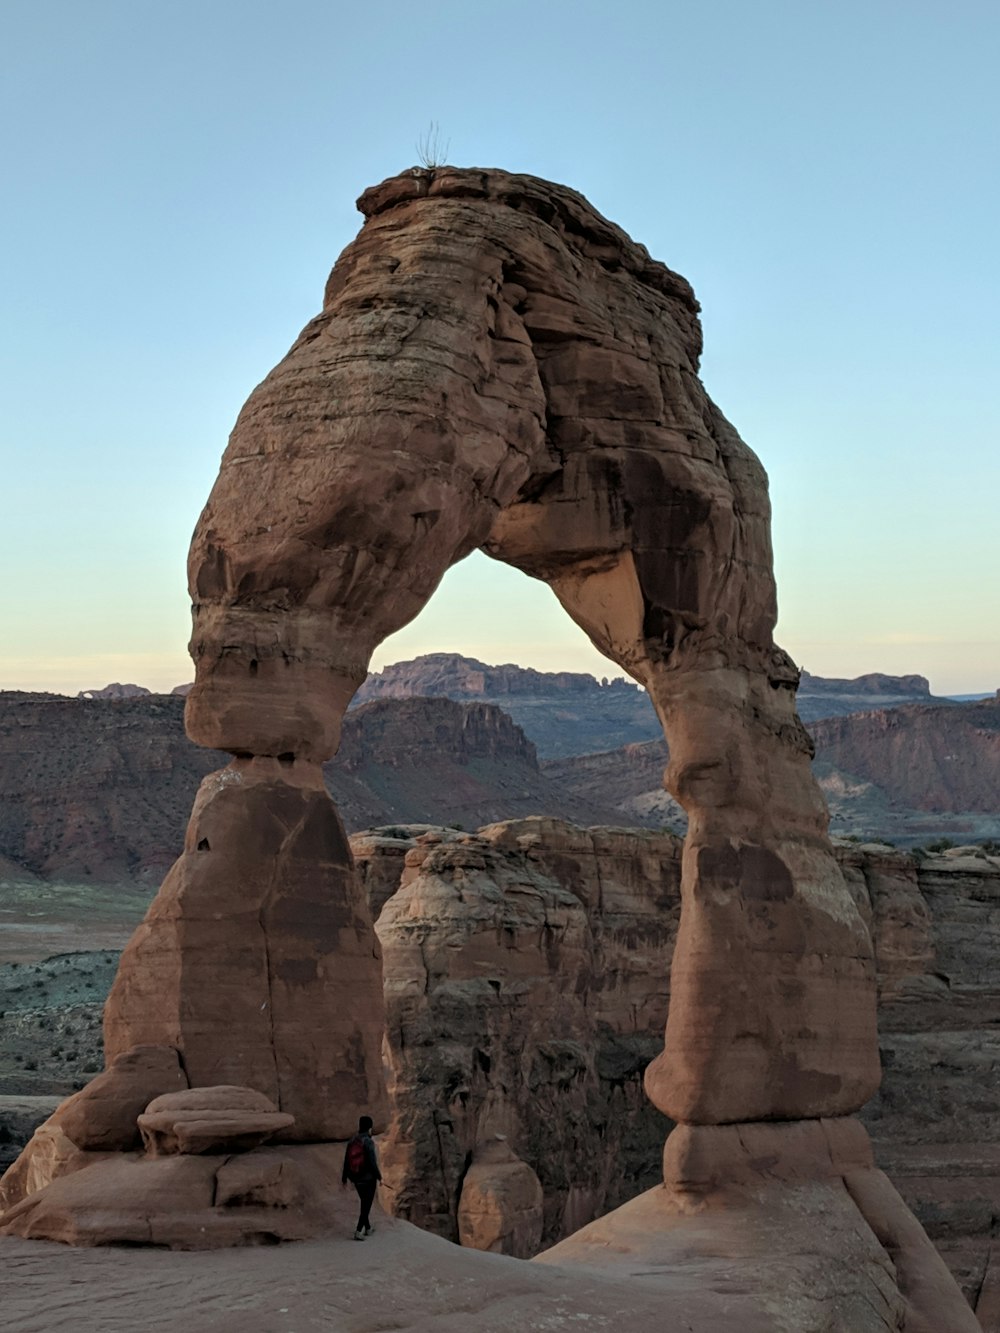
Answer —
431 152
940 845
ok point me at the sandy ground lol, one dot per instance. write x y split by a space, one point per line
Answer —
400 1279
794 1260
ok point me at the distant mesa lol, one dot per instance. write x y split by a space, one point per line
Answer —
456 677
568 713
115 691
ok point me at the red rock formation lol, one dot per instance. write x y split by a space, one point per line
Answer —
496 365
943 758
526 990
257 960
501 1205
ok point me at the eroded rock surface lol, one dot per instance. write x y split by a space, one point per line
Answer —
498 366
203 1120
934 1120
527 980
476 1013
495 366
800 1206
501 1205
257 960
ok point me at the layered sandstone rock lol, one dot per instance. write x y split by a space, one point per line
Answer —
934 1121
480 1000
527 978
257 960
203 1120
188 1201
459 1048
501 1205
98 1120
497 365
492 973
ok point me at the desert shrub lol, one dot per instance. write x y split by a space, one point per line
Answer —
940 845
430 151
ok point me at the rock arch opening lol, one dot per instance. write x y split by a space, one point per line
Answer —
498 367
495 366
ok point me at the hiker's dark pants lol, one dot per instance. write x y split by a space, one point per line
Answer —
366 1193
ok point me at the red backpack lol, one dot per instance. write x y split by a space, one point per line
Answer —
356 1156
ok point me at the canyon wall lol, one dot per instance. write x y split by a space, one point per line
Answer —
524 992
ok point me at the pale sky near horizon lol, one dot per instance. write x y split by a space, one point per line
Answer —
180 179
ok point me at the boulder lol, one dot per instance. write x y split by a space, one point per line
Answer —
500 1207
209 1120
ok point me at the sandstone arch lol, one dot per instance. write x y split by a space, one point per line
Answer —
498 366
495 366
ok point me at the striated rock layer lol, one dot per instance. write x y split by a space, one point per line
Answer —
524 996
256 960
527 980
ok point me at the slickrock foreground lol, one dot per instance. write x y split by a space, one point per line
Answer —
497 366
567 1086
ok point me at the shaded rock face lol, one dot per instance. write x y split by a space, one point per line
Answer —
527 981
934 1120
930 757
501 1204
256 960
524 995
498 366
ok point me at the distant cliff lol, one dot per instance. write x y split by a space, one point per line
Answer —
100 789
571 713
912 774
562 712
936 758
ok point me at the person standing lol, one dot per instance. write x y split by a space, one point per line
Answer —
362 1170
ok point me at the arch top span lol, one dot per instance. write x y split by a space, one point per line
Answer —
495 365
498 366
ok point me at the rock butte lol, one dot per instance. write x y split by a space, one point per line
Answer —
496 366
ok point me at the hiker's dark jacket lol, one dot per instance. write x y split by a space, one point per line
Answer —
369 1168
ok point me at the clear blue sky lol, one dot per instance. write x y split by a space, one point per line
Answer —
180 178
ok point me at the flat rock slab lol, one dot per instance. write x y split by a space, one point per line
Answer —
205 1120
401 1279
798 1259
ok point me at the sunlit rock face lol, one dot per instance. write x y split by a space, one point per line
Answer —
498 366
